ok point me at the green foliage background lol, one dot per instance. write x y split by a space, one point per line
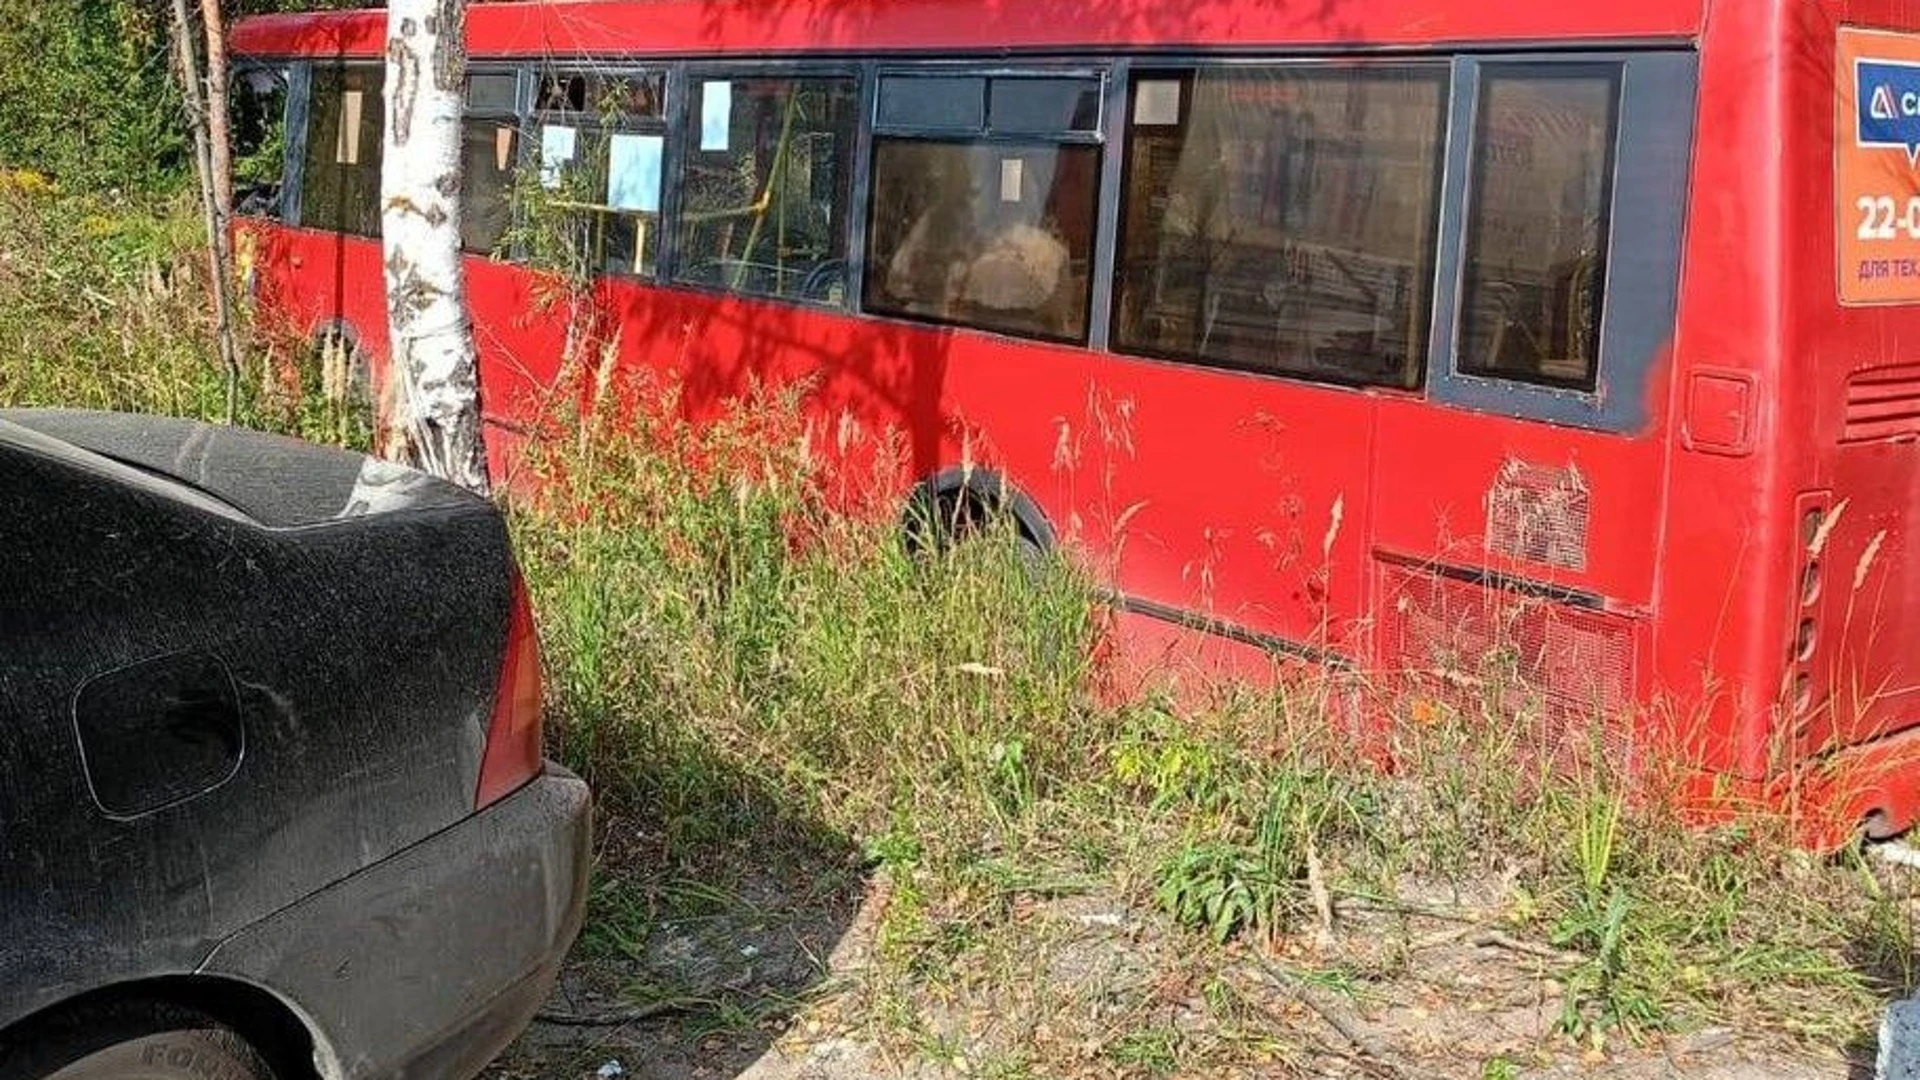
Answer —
88 96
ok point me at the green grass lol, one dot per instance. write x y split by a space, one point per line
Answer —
783 711
715 672
108 306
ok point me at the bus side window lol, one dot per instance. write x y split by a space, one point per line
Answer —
766 184
1535 255
257 130
601 155
340 178
490 149
1282 219
992 226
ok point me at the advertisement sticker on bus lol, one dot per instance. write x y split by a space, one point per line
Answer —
1877 157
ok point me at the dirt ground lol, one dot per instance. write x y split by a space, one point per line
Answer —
771 994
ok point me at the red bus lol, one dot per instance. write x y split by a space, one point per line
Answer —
1384 334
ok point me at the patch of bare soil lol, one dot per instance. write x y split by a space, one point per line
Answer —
773 990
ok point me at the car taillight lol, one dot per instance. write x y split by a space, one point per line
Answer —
513 736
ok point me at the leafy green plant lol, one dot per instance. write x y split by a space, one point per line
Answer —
1155 1051
1156 755
1499 1068
109 58
103 304
1602 994
1598 834
1218 888
1600 997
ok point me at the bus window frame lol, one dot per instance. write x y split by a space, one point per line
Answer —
1653 168
1101 71
1613 75
1104 70
1115 108
522 86
284 70
526 85
668 125
299 113
683 125
298 72
302 83
1652 161
1113 204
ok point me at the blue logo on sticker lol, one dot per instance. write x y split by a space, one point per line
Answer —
1889 97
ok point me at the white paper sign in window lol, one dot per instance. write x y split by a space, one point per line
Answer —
346 150
1012 172
557 143
1156 102
716 115
633 173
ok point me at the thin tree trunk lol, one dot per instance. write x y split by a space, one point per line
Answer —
183 34
219 140
427 320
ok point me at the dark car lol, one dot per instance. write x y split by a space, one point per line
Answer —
272 802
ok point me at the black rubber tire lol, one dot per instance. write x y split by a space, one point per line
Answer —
132 1040
935 522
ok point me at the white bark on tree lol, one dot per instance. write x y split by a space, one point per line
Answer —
219 137
428 323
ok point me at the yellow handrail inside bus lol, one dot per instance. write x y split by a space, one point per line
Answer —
766 196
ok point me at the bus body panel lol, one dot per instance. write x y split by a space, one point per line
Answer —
1851 440
749 28
1129 456
309 279
1444 587
1719 597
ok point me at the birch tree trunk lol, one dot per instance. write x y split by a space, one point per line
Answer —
219 139
428 324
217 241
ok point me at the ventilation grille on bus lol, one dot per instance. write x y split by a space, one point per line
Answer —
1539 514
1882 403
1493 643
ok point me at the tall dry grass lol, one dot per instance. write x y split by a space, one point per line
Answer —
107 305
717 633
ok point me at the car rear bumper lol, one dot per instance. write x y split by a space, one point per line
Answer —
429 963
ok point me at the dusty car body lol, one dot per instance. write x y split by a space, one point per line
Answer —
271 795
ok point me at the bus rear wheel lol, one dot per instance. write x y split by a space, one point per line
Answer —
341 382
944 512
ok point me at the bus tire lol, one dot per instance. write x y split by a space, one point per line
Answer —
957 505
343 379
350 381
